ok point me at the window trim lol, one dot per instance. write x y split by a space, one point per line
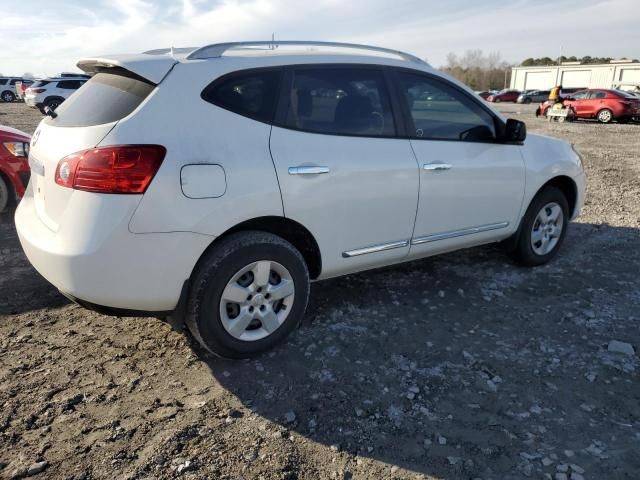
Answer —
243 73
499 125
283 102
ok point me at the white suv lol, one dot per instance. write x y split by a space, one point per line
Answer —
51 92
280 164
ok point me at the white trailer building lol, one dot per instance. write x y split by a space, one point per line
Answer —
576 75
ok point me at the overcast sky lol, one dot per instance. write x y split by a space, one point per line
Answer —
49 36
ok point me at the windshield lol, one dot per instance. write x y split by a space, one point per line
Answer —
106 98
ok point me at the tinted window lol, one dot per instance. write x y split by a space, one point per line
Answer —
598 95
3 81
70 84
40 83
580 95
252 94
441 112
13 82
105 98
341 101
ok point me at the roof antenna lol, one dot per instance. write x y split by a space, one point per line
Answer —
273 45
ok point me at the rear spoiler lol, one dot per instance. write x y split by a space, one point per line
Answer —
152 68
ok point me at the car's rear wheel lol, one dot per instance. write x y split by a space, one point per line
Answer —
53 103
605 116
543 228
8 96
5 194
247 294
527 100
497 100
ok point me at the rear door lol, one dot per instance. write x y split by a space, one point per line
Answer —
81 122
343 172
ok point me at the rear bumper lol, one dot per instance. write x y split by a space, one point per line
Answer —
94 257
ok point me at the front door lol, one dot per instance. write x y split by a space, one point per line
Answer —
343 173
471 186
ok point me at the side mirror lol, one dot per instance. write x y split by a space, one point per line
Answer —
515 131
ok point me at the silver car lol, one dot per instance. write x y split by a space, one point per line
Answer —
533 96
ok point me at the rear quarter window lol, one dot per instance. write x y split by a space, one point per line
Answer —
104 99
252 93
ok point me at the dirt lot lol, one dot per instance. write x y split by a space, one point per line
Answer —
457 367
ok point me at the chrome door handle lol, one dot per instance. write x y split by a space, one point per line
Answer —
308 170
436 166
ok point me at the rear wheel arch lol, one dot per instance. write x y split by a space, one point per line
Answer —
290 230
11 193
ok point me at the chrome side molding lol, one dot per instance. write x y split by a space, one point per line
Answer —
458 233
375 249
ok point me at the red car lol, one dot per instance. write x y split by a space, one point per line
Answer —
14 165
601 104
504 96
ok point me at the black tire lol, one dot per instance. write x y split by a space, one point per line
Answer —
6 194
527 101
53 102
624 119
497 100
8 96
523 252
211 276
605 116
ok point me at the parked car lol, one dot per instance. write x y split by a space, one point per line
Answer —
484 94
504 96
533 96
14 167
218 204
602 104
8 88
21 87
51 92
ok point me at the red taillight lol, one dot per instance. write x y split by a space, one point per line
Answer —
116 169
37 90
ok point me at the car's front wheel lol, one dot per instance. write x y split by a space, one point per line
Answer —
247 294
543 228
5 194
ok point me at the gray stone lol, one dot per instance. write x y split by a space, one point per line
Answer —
621 347
36 468
290 417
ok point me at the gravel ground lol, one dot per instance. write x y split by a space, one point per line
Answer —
462 366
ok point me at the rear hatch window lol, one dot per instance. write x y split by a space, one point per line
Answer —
106 98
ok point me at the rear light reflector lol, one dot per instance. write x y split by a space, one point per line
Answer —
115 169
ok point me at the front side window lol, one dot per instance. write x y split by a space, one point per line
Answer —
253 94
597 94
580 95
3 81
340 101
441 112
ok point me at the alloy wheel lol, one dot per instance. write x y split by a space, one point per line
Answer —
257 300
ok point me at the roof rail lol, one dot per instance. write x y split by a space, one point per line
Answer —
216 50
164 51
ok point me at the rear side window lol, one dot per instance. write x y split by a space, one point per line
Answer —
104 99
340 101
40 83
252 94
70 84
3 81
